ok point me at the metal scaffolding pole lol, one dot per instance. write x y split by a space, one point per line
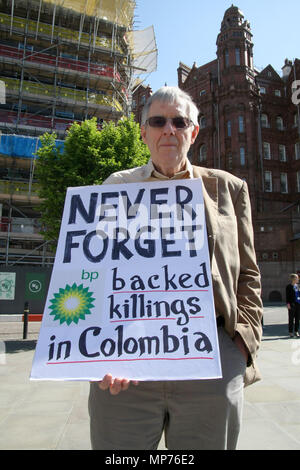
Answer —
22 71
29 253
82 18
96 26
32 165
12 16
38 20
53 22
55 88
88 77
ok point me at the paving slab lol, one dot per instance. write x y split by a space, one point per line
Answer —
54 415
272 406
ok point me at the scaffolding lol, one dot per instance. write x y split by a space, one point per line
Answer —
61 67
60 61
62 54
120 12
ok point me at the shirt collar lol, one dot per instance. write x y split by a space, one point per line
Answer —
186 173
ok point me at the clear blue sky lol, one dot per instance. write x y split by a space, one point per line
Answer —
186 31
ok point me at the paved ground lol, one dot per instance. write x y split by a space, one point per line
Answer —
53 415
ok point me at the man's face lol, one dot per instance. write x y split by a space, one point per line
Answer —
168 146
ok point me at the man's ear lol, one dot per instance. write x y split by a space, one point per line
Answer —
143 133
195 133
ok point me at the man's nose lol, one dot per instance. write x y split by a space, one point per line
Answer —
169 127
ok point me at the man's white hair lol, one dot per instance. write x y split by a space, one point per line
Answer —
172 94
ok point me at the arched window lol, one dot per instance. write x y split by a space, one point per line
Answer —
242 156
268 181
279 123
267 150
226 58
228 128
282 153
248 57
297 150
237 56
264 120
202 122
202 153
241 124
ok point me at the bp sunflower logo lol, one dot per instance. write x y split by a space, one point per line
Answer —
72 304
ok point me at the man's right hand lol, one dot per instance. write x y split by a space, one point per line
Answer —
115 385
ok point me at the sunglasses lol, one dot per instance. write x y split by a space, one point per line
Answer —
178 122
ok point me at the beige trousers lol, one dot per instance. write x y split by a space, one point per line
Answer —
193 414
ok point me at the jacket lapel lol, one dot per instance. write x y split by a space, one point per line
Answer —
210 196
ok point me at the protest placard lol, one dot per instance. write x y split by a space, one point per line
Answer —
131 291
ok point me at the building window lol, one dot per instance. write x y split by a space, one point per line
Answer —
277 93
297 151
267 151
279 123
262 90
268 181
202 153
264 120
242 156
228 128
296 120
283 183
229 161
237 56
248 57
226 58
202 122
202 92
241 124
298 181
282 153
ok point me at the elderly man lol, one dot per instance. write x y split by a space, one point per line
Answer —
194 414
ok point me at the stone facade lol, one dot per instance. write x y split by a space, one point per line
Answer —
249 126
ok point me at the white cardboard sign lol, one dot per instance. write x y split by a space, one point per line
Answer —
131 291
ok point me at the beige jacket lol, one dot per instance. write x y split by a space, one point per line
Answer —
235 274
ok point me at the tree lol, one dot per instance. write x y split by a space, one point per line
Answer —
89 156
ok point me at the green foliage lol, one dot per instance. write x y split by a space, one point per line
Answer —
89 157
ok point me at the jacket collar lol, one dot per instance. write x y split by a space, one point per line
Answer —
210 196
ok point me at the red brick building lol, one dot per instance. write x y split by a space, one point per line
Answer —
250 127
139 97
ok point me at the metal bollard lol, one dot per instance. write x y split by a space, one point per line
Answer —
25 320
